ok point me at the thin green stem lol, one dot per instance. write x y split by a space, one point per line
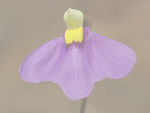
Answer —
83 105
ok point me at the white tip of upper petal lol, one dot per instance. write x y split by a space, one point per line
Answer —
73 18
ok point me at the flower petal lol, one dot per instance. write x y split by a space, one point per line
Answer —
108 58
37 65
61 64
72 73
76 67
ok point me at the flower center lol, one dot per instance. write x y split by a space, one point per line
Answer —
74 22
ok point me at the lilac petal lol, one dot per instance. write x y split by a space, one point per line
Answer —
108 58
66 66
35 67
72 73
76 67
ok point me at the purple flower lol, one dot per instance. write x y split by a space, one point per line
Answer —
78 59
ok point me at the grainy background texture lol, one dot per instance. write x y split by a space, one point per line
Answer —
27 24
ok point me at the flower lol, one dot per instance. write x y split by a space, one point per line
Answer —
78 59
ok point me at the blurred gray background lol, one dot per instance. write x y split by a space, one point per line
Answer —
27 24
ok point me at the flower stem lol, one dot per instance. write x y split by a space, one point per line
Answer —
83 105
